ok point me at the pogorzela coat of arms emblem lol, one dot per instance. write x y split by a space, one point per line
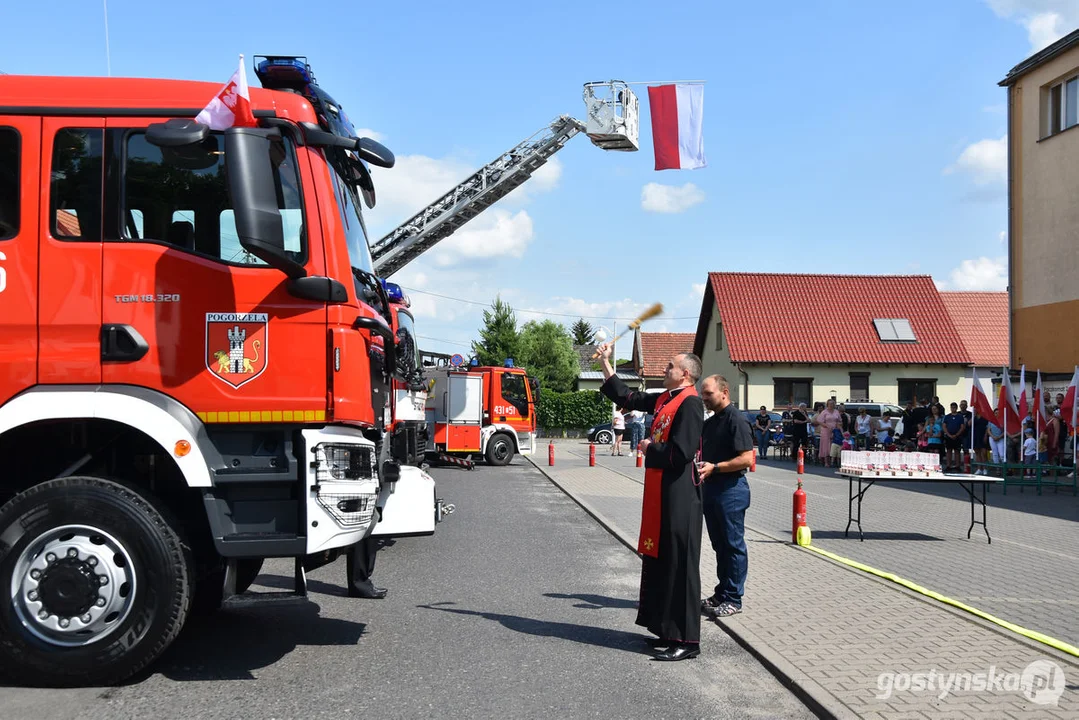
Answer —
236 346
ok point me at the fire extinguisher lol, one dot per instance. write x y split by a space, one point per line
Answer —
966 462
640 459
591 454
801 461
550 454
799 519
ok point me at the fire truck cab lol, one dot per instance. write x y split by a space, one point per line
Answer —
195 365
407 429
489 411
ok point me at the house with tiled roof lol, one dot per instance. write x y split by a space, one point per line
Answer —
591 378
653 350
781 339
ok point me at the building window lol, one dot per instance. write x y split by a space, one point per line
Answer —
894 330
10 180
719 336
859 387
1062 106
916 391
789 392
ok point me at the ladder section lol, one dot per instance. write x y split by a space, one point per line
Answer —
479 191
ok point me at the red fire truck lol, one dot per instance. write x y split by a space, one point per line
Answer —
488 411
195 366
407 428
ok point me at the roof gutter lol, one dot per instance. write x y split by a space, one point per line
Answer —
744 374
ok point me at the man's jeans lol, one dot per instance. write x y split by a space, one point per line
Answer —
725 505
636 430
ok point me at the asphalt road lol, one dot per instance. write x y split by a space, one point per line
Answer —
521 605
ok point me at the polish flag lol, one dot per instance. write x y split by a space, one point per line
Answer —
1069 409
677 126
1024 409
1041 417
1008 416
979 400
231 106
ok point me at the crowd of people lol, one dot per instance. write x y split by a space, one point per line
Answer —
923 427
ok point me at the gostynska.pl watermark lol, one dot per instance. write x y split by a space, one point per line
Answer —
1042 682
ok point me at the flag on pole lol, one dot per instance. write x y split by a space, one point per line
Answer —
1023 408
232 104
1069 409
677 126
1008 415
1041 417
979 400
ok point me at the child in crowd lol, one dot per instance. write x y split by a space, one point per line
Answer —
923 438
1030 449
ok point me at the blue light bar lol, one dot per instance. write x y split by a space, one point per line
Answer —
508 363
395 294
278 72
393 291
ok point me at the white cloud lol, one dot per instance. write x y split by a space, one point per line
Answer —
369 133
982 273
415 181
1004 238
986 161
697 291
670 198
1046 21
495 233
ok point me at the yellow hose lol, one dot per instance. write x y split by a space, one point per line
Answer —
1033 635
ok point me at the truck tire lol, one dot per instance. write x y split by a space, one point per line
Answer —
499 449
96 583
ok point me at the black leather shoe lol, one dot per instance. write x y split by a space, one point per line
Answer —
374 594
678 652
658 642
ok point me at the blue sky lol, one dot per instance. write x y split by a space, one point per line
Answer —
841 137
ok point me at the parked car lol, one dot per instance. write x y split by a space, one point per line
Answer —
601 434
774 429
874 409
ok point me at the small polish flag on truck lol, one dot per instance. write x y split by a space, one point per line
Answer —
231 106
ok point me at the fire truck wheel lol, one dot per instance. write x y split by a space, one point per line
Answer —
97 583
499 449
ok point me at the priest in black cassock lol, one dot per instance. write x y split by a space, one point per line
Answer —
671 513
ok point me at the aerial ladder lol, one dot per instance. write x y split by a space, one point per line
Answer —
611 124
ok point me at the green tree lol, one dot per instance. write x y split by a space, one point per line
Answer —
499 338
583 332
547 352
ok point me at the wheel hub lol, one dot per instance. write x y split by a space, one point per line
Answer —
68 587
73 585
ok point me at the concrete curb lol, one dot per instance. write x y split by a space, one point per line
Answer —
821 702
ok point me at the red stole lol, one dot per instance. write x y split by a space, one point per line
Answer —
648 542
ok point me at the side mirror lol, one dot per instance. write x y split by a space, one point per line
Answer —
254 196
374 152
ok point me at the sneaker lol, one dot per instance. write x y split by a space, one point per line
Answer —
727 609
710 605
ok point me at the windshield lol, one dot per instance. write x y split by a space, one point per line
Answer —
359 252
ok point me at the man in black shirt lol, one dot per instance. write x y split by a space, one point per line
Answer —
726 452
799 430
